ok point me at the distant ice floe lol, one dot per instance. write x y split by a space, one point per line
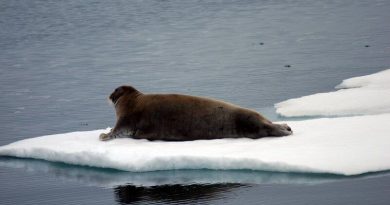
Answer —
363 95
345 145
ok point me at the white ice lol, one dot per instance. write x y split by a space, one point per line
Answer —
346 145
363 95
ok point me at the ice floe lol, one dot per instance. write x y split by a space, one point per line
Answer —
348 146
363 95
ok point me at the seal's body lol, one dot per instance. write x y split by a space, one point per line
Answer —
176 117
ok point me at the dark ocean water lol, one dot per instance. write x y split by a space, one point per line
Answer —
59 60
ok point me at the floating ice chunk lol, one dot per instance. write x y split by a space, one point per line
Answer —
377 80
368 94
348 146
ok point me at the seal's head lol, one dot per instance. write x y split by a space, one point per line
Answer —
121 91
279 130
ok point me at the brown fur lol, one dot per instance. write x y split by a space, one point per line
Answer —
176 117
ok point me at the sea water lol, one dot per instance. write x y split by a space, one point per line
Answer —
59 60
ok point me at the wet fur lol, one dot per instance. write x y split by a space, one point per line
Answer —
174 117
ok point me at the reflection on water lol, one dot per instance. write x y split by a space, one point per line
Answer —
169 187
172 194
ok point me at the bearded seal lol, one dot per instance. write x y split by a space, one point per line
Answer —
174 117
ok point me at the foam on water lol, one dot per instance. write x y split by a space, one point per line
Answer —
368 94
346 145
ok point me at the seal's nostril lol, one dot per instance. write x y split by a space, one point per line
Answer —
288 128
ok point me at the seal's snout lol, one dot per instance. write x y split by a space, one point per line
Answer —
281 130
287 129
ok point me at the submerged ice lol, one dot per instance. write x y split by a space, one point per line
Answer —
111 178
344 145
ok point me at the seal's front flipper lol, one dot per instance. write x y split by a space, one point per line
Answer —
105 137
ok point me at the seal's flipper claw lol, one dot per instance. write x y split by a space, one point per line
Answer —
105 137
